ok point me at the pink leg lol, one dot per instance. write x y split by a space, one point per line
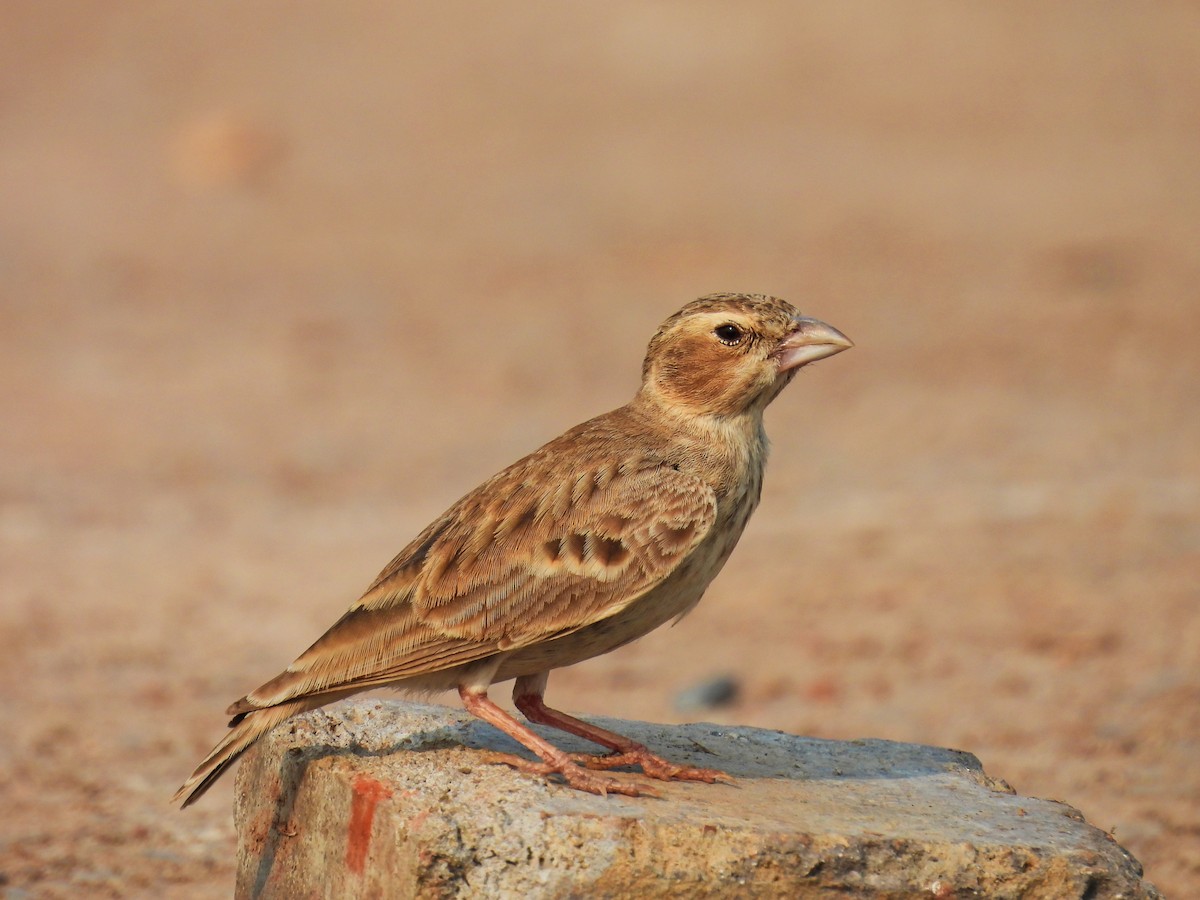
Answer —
553 759
527 695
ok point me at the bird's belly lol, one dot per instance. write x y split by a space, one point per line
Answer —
669 600
599 638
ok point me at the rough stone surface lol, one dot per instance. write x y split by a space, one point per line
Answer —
376 799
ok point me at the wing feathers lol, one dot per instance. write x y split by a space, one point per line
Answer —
523 558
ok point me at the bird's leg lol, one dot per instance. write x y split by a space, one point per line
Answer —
553 760
527 695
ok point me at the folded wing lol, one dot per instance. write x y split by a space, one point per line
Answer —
518 561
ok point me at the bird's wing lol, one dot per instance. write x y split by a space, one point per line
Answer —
521 559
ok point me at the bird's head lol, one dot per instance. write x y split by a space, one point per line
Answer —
729 354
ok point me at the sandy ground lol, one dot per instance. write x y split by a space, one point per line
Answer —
278 284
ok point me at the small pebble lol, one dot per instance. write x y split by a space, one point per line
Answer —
720 690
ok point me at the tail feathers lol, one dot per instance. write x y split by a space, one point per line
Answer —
246 729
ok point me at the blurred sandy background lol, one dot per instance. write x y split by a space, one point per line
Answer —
280 281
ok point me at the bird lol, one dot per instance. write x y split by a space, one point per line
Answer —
603 534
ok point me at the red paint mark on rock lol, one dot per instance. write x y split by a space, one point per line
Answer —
365 796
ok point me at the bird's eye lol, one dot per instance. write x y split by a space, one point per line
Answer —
728 334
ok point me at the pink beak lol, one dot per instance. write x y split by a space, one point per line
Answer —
809 341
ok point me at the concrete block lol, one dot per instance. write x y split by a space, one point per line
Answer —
373 799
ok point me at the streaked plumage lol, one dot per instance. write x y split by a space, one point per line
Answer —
591 541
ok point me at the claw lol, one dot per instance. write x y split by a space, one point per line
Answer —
654 766
576 776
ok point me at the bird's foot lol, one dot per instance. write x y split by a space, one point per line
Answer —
653 765
575 776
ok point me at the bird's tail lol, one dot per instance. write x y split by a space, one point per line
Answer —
246 729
